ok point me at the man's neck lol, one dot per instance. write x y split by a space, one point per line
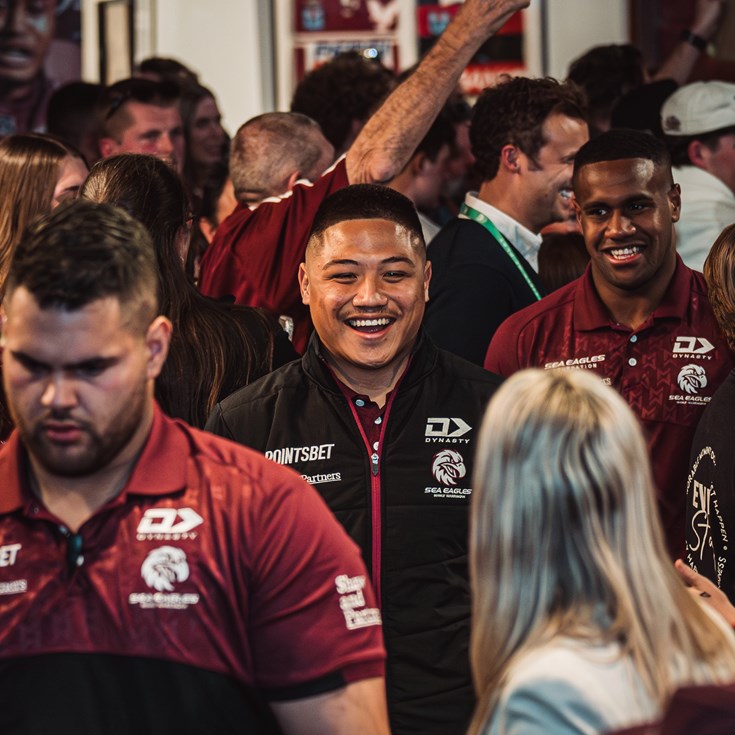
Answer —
74 500
633 308
503 197
376 384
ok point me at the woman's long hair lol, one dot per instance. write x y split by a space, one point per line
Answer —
215 348
719 273
565 540
30 165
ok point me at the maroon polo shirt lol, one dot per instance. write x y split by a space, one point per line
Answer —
255 253
216 580
667 369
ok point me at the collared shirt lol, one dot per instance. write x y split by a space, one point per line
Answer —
526 242
667 369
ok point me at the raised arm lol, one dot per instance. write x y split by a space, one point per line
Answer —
356 709
680 62
390 136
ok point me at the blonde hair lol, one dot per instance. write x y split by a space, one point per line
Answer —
29 171
565 540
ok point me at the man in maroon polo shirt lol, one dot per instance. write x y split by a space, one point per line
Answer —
255 254
154 578
638 316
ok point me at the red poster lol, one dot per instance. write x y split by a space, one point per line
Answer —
330 16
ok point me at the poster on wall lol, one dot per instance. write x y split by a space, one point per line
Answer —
40 49
325 28
500 54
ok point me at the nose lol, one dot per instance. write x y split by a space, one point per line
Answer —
619 225
165 145
60 392
369 293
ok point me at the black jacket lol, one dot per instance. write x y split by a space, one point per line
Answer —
415 545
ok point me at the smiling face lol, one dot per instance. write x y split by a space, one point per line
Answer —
546 179
626 209
366 285
26 30
79 383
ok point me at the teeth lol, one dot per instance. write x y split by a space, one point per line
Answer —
383 322
622 253
566 193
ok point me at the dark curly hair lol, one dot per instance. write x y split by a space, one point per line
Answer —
347 88
513 113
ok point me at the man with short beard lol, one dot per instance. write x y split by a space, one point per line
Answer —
154 578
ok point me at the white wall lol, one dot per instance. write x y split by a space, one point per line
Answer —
229 42
573 26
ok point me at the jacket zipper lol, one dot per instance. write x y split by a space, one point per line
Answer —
376 517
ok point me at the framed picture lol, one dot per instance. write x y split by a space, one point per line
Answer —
116 33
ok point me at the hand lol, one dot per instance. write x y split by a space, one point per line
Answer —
489 15
707 18
701 588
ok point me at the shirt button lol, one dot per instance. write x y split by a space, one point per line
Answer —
376 445
379 420
632 362
359 402
633 337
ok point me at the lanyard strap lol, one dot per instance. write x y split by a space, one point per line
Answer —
489 225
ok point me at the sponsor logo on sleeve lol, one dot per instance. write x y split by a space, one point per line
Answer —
162 570
8 557
352 603
691 380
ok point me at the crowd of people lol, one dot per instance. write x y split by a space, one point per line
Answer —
389 415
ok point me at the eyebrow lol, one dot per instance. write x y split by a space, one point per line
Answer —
385 261
96 362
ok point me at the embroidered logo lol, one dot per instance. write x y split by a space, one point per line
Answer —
448 428
692 348
161 570
160 524
448 467
692 378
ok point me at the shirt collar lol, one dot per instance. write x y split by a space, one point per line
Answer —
526 242
159 470
590 313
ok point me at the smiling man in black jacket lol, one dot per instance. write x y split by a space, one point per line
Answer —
383 425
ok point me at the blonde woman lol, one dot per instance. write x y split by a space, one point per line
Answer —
580 623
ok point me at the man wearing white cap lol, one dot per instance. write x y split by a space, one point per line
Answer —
699 123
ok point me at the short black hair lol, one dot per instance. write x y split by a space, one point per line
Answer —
368 201
513 113
679 144
112 115
83 252
619 144
440 134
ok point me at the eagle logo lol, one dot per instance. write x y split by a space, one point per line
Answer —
448 467
692 378
164 566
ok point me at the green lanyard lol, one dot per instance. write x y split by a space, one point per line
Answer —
481 219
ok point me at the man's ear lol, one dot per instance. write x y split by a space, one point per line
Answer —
699 154
509 158
304 284
157 341
675 202
108 147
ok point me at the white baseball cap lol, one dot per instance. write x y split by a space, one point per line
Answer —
700 107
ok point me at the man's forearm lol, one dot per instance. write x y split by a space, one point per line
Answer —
391 135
